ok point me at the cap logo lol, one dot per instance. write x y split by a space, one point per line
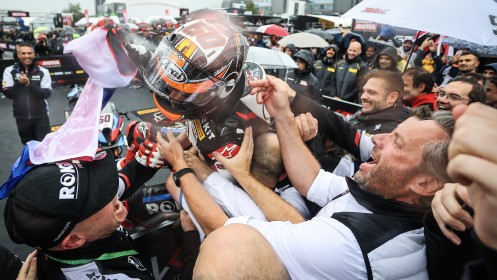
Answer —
67 180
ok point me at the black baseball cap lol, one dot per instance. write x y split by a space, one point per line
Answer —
51 199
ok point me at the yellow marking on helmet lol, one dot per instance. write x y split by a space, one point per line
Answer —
186 47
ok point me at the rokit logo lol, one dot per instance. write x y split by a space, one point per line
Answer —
207 128
68 180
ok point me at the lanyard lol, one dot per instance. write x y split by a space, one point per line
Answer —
103 257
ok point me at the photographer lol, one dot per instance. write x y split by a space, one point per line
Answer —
41 46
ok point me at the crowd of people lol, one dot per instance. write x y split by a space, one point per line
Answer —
402 189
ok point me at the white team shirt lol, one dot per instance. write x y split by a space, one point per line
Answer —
322 248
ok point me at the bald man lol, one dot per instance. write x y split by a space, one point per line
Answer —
348 72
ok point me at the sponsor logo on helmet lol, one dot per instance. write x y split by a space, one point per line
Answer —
222 69
173 71
229 86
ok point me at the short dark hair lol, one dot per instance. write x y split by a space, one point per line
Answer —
420 76
477 93
466 52
26 45
393 79
479 77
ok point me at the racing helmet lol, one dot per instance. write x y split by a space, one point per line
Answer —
196 68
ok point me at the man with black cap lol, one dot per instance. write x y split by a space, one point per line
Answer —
70 211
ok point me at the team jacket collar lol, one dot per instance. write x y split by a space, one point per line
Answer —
380 205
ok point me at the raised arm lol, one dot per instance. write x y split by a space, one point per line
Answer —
332 126
209 215
300 164
271 204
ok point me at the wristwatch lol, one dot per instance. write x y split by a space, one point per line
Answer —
178 174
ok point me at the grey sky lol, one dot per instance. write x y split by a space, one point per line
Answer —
35 7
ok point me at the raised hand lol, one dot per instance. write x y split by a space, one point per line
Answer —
308 126
473 162
28 269
239 165
447 206
274 93
172 150
202 170
23 79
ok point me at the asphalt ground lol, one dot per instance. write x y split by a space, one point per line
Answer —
125 99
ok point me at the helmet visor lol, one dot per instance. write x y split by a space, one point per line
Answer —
178 81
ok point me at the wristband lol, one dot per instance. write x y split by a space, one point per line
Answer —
180 173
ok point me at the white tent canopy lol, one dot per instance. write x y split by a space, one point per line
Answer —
93 20
476 25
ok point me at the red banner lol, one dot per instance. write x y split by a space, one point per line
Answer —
365 26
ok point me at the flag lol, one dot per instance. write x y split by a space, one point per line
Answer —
20 168
102 55
78 136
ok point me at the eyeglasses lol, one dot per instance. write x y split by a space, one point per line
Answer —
450 96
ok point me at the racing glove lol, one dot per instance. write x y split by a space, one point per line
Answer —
136 133
149 155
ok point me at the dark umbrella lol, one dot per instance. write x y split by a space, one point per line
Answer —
337 34
378 44
357 36
322 33
67 32
462 44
